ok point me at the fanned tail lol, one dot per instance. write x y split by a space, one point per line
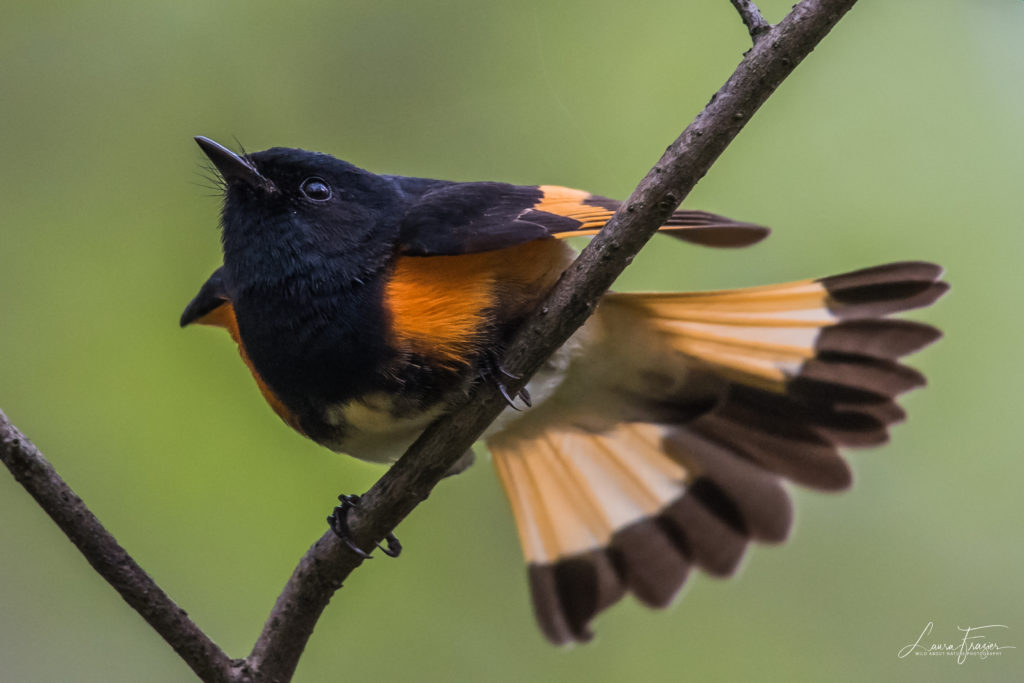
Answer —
743 388
602 514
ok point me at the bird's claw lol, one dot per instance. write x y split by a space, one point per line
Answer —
494 370
338 521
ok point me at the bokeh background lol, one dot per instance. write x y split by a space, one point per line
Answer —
899 138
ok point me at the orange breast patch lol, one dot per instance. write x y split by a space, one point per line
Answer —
224 316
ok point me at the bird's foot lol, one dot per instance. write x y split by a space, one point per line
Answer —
492 370
338 521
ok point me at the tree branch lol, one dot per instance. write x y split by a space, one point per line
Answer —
107 557
752 17
776 52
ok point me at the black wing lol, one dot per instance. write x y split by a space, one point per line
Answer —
462 218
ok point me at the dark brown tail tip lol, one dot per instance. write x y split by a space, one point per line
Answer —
889 339
900 271
882 290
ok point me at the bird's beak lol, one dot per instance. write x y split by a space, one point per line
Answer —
233 168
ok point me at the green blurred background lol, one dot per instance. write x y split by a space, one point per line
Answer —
899 138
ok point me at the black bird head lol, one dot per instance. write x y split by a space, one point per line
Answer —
289 209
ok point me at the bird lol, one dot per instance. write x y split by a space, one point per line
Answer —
660 439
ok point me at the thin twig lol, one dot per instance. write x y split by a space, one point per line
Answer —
412 478
752 17
108 558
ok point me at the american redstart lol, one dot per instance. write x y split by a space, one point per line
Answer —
656 440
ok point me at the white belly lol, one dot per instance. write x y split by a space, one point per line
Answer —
373 433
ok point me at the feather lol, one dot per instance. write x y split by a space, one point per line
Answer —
463 218
643 465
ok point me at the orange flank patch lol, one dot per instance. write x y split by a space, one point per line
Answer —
443 306
224 316
564 201
438 304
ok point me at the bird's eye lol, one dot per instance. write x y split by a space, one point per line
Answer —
316 189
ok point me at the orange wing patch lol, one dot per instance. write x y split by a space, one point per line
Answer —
224 316
564 201
592 212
